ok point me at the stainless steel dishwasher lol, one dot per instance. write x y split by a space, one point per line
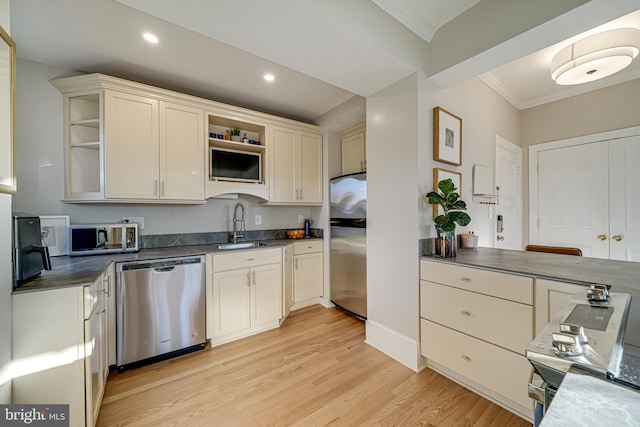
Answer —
160 309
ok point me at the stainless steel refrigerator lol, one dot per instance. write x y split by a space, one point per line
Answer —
349 243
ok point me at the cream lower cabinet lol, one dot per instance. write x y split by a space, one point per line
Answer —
59 338
475 325
551 297
245 293
295 167
287 279
109 280
308 270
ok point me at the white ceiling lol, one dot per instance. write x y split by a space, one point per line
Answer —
323 53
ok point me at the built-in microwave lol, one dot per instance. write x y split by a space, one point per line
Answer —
95 239
234 165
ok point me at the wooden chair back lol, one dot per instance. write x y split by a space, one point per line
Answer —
554 250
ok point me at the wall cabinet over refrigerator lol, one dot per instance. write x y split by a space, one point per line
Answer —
354 150
295 167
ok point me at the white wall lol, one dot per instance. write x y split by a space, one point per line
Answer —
392 244
5 261
41 175
484 114
400 172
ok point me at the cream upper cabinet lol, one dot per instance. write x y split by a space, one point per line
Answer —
154 150
131 146
182 165
354 150
295 167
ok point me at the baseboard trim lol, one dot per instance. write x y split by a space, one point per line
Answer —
498 399
397 346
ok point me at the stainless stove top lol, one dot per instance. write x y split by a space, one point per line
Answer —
586 334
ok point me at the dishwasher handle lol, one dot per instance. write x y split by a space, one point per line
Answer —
164 269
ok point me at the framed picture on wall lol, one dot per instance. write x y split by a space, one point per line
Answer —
53 230
438 175
447 137
7 113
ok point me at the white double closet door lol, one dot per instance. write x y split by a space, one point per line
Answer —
589 197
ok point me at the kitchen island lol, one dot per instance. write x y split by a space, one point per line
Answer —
502 270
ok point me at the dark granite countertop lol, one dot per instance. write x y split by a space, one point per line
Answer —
621 275
83 270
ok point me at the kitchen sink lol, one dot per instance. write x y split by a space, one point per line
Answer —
242 245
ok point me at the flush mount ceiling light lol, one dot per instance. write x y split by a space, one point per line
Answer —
150 38
269 77
596 56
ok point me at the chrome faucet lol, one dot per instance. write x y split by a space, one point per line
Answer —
238 233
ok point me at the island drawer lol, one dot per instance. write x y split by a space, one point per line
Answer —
504 323
501 285
497 369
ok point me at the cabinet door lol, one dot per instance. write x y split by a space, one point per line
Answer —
266 293
308 276
182 155
550 298
110 303
353 153
624 199
287 282
232 301
310 168
283 186
131 146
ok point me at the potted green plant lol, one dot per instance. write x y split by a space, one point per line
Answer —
235 134
452 206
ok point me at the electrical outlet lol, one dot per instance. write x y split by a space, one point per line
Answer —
300 219
258 219
138 219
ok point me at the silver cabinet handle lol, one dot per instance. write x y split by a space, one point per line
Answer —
248 280
301 195
465 358
296 263
254 277
162 188
155 187
465 313
465 279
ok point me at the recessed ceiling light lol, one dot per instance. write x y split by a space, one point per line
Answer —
150 38
269 77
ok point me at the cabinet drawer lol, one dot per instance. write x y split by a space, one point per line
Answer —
242 259
307 247
499 370
504 323
501 285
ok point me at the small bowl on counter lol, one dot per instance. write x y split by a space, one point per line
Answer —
295 234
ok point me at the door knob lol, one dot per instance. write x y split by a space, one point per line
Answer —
602 237
617 237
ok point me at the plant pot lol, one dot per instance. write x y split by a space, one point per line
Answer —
236 138
445 244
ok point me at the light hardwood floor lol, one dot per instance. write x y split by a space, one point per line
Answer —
315 370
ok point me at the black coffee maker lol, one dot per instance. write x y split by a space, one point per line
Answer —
30 257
